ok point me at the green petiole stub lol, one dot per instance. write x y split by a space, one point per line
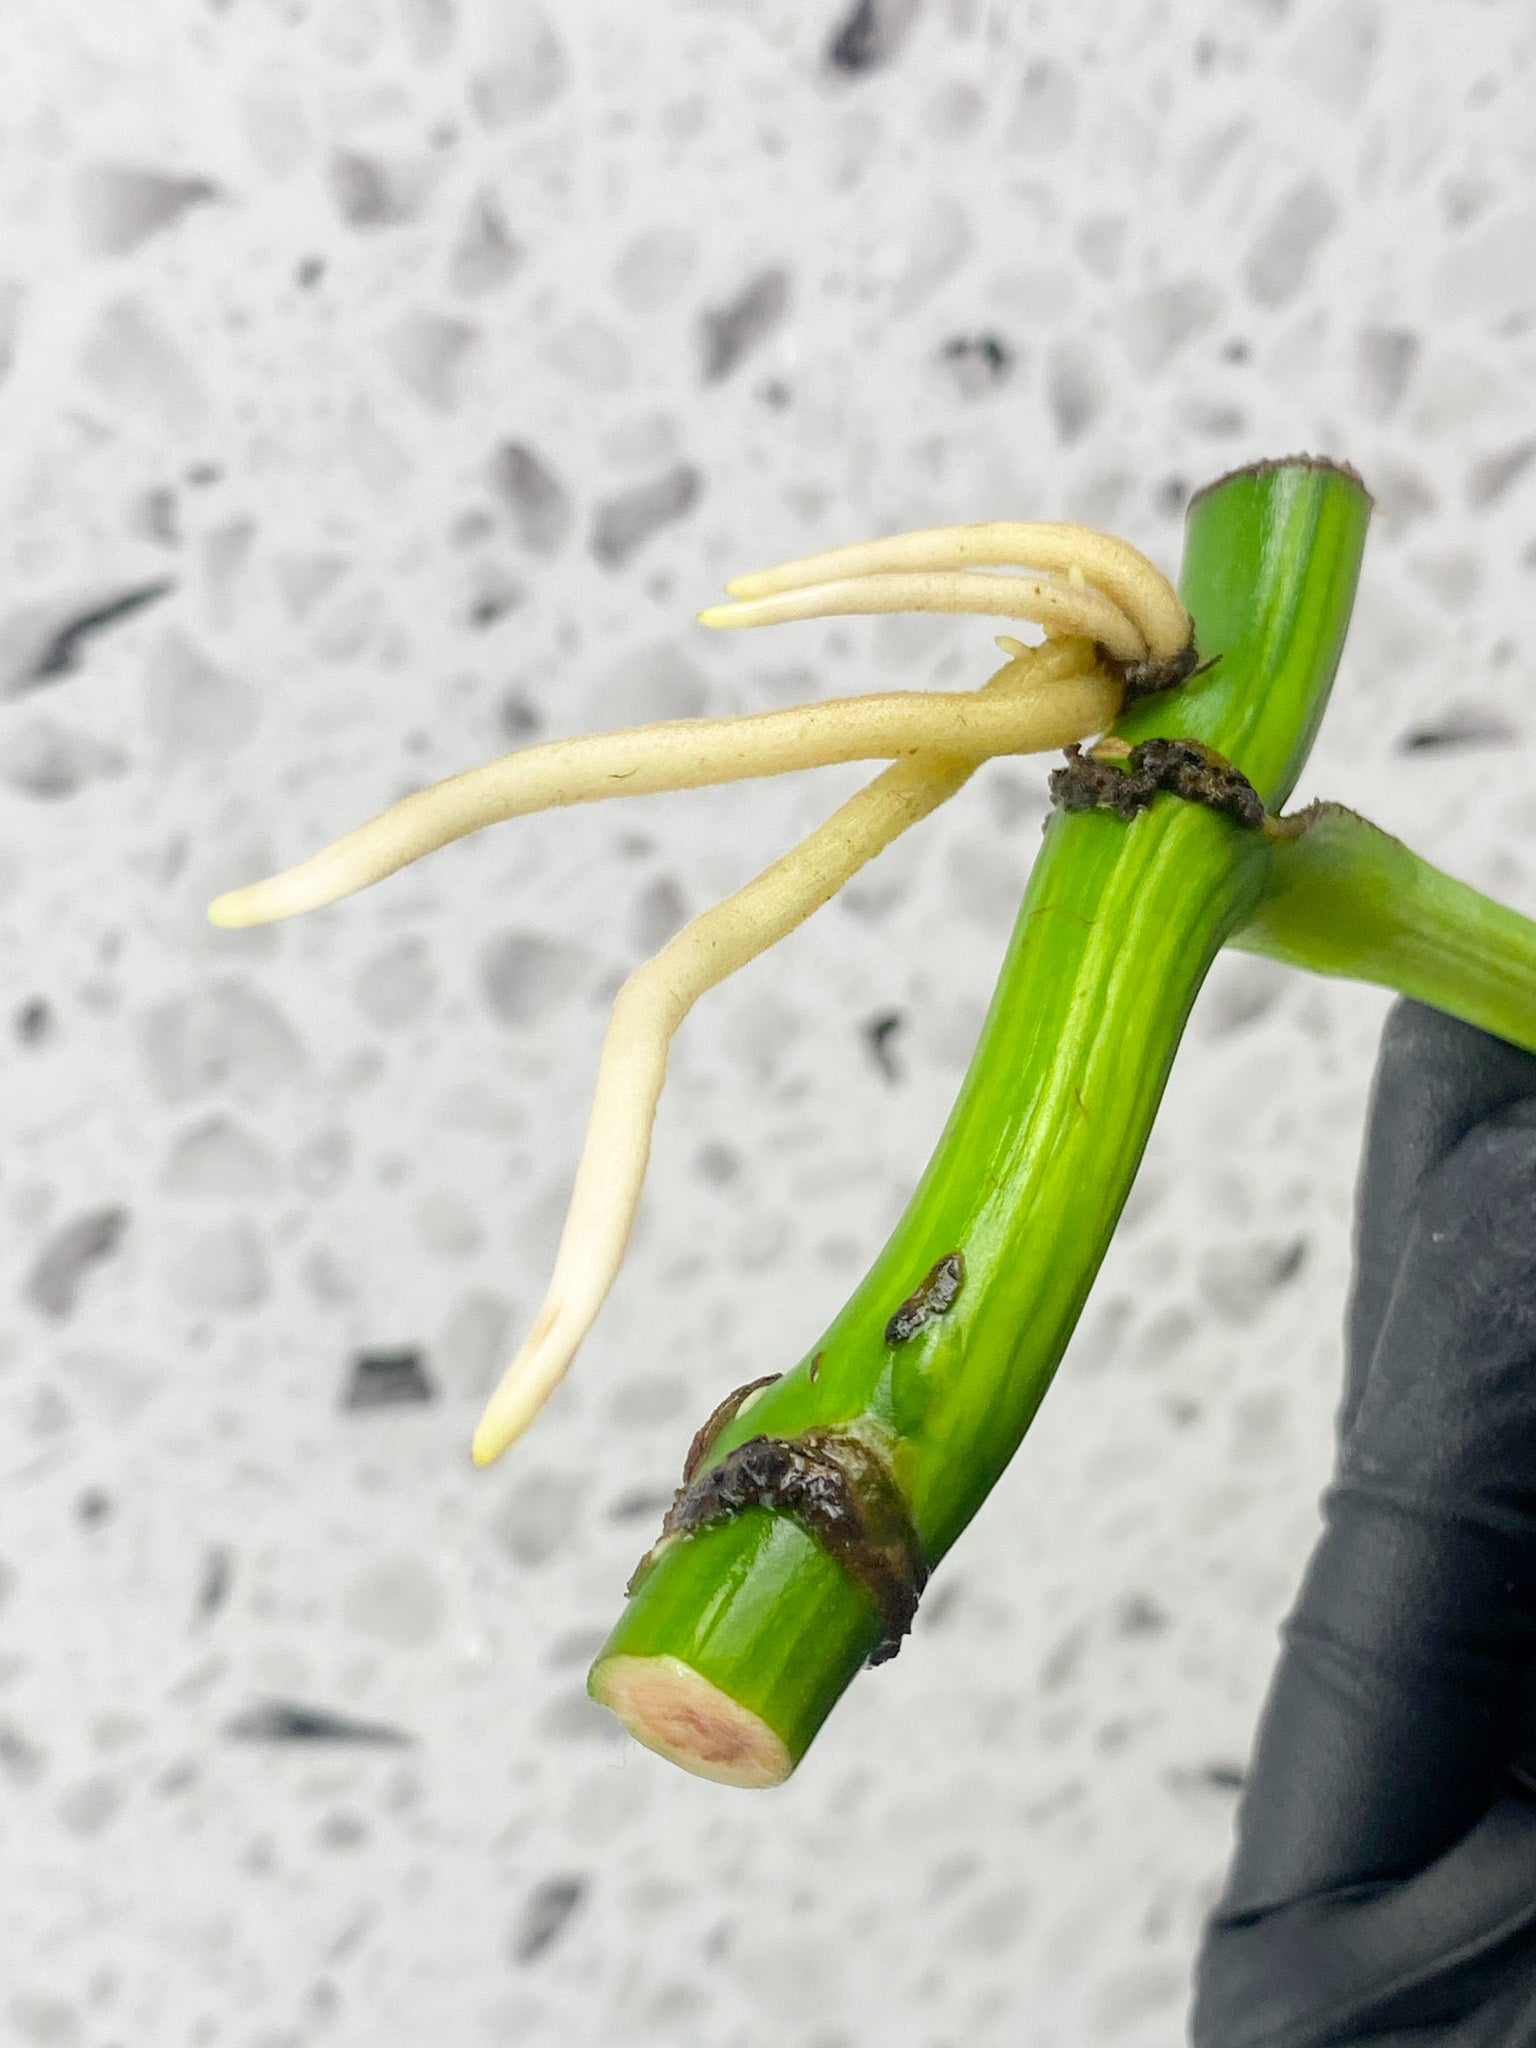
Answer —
1119 925
1346 898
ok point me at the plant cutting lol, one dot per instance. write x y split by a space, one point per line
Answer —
815 1502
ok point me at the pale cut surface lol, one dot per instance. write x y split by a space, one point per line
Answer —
672 1709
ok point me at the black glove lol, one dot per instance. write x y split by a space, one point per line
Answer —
1383 1888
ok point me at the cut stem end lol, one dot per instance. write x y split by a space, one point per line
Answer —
679 1714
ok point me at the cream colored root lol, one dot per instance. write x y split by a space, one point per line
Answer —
1053 704
651 1006
1060 604
1121 572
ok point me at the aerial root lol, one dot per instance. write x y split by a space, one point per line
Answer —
1109 617
1045 712
1080 554
1058 603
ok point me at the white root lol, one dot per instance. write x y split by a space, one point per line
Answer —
1121 572
1058 603
1037 716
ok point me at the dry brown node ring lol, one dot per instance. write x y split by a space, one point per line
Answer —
1117 777
1152 677
837 1489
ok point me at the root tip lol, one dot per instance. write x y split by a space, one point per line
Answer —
491 1438
228 913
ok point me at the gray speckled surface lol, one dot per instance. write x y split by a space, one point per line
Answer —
421 366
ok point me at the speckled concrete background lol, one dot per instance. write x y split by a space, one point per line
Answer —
419 366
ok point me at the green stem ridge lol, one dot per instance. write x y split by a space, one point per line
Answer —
1118 927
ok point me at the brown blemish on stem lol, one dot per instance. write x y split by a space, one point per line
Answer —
838 1489
936 1297
1181 768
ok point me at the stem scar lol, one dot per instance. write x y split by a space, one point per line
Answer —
935 1297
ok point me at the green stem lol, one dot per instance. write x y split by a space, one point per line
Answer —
1346 898
740 1637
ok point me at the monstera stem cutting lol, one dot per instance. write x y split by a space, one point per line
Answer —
815 1502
